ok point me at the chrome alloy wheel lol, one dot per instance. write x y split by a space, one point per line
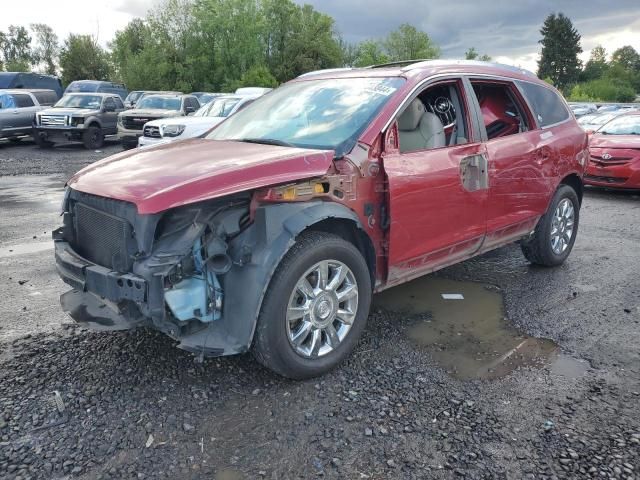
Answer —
322 308
562 226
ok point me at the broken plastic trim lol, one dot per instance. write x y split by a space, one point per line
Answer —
198 296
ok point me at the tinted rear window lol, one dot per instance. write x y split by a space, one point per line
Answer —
23 100
547 106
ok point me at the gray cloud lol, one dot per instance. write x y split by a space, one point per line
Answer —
498 28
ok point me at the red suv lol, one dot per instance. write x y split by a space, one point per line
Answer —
272 232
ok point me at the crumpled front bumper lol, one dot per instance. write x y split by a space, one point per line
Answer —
105 300
101 298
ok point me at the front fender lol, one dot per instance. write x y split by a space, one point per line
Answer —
258 250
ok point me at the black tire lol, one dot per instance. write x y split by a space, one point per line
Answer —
41 142
93 138
537 249
272 347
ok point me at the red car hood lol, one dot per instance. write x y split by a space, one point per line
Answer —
167 176
614 141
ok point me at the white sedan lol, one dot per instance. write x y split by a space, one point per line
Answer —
168 130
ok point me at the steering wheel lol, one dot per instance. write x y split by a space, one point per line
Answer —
443 108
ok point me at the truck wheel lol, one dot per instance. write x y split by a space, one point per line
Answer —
556 231
315 308
93 138
41 142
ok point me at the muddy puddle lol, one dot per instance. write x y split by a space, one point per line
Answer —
462 324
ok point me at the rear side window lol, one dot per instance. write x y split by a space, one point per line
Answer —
46 98
547 106
22 100
109 103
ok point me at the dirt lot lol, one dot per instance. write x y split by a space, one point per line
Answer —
535 373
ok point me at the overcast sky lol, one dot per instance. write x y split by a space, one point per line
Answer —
508 30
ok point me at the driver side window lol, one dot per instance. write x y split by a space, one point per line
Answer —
436 118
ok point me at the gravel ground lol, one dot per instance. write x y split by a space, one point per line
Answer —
77 404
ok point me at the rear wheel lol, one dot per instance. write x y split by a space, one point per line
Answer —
555 234
315 309
93 138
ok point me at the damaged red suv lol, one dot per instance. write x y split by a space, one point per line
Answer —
271 233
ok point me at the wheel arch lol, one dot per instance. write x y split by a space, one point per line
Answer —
265 243
93 122
575 182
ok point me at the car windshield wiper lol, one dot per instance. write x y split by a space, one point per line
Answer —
266 141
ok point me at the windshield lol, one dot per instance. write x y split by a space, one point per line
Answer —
625 125
160 103
82 87
598 119
133 96
218 108
79 101
323 114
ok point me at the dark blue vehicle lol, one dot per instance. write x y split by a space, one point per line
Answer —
14 80
97 86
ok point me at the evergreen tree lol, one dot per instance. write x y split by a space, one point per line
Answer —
560 49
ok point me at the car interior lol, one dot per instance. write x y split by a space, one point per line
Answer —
501 111
432 120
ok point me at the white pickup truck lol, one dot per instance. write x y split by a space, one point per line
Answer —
166 130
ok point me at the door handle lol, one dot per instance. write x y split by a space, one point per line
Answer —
15 112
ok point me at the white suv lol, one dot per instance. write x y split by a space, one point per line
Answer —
168 130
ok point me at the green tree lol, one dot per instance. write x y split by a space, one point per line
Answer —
602 90
627 57
16 49
596 67
349 53
258 76
472 54
370 52
47 47
3 39
82 58
409 43
560 49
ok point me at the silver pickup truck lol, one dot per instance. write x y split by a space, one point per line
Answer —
17 109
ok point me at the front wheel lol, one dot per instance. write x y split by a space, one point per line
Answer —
93 138
315 308
555 234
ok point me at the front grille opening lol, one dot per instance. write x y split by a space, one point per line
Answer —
101 238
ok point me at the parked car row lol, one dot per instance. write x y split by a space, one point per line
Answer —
89 111
580 109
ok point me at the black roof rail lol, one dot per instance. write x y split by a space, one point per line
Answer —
398 63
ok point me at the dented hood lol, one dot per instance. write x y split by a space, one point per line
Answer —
156 179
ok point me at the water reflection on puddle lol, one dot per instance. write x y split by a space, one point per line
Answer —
466 331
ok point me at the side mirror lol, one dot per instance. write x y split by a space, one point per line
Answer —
189 110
